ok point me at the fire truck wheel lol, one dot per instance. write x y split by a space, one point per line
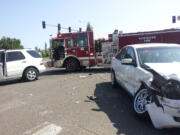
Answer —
71 65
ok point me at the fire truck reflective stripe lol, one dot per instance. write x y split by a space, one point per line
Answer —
86 58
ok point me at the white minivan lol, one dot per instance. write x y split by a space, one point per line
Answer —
21 63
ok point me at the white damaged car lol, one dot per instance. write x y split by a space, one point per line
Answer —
151 74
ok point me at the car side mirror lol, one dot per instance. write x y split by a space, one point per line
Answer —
128 61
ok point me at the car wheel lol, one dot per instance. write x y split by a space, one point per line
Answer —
113 79
141 99
30 74
71 65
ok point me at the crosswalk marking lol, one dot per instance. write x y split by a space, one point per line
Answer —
45 128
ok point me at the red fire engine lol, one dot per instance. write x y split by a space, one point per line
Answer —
74 51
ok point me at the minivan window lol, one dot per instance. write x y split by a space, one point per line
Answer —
13 56
33 54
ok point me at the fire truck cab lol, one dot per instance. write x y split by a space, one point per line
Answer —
73 50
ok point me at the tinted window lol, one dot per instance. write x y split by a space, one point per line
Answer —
13 56
34 54
81 39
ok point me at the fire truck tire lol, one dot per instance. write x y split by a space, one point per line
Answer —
72 65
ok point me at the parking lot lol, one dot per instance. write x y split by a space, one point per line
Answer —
80 103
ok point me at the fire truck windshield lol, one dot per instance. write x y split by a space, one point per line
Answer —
57 42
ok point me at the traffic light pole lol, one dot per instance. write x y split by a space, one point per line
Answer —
59 27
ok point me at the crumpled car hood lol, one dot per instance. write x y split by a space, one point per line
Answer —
167 70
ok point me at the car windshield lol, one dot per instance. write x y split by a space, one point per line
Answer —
158 55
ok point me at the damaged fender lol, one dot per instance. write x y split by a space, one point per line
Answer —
164 111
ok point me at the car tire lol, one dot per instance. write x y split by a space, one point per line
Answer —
113 79
71 65
30 74
141 98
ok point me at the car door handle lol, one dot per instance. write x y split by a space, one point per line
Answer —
23 61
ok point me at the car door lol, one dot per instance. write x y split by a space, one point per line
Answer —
2 62
120 67
129 71
15 63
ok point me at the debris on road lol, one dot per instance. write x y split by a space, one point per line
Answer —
92 98
81 76
77 102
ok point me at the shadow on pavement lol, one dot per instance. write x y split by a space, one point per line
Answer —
117 105
10 82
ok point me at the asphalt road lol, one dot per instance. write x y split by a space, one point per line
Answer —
60 103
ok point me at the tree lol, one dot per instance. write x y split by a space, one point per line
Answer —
10 43
89 27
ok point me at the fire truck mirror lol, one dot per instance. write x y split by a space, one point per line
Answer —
98 46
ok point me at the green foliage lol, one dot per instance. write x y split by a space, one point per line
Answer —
10 43
45 54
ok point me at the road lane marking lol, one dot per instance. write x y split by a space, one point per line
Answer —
45 128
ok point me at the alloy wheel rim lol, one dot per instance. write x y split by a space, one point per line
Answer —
141 100
31 75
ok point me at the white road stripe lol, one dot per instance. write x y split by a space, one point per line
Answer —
45 128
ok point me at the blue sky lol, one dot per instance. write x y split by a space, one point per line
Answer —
22 19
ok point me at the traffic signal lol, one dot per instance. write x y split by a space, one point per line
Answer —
69 29
173 19
59 27
43 24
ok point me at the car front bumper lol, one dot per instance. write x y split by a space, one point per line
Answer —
167 115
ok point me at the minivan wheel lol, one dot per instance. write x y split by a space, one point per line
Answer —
141 99
113 79
30 74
